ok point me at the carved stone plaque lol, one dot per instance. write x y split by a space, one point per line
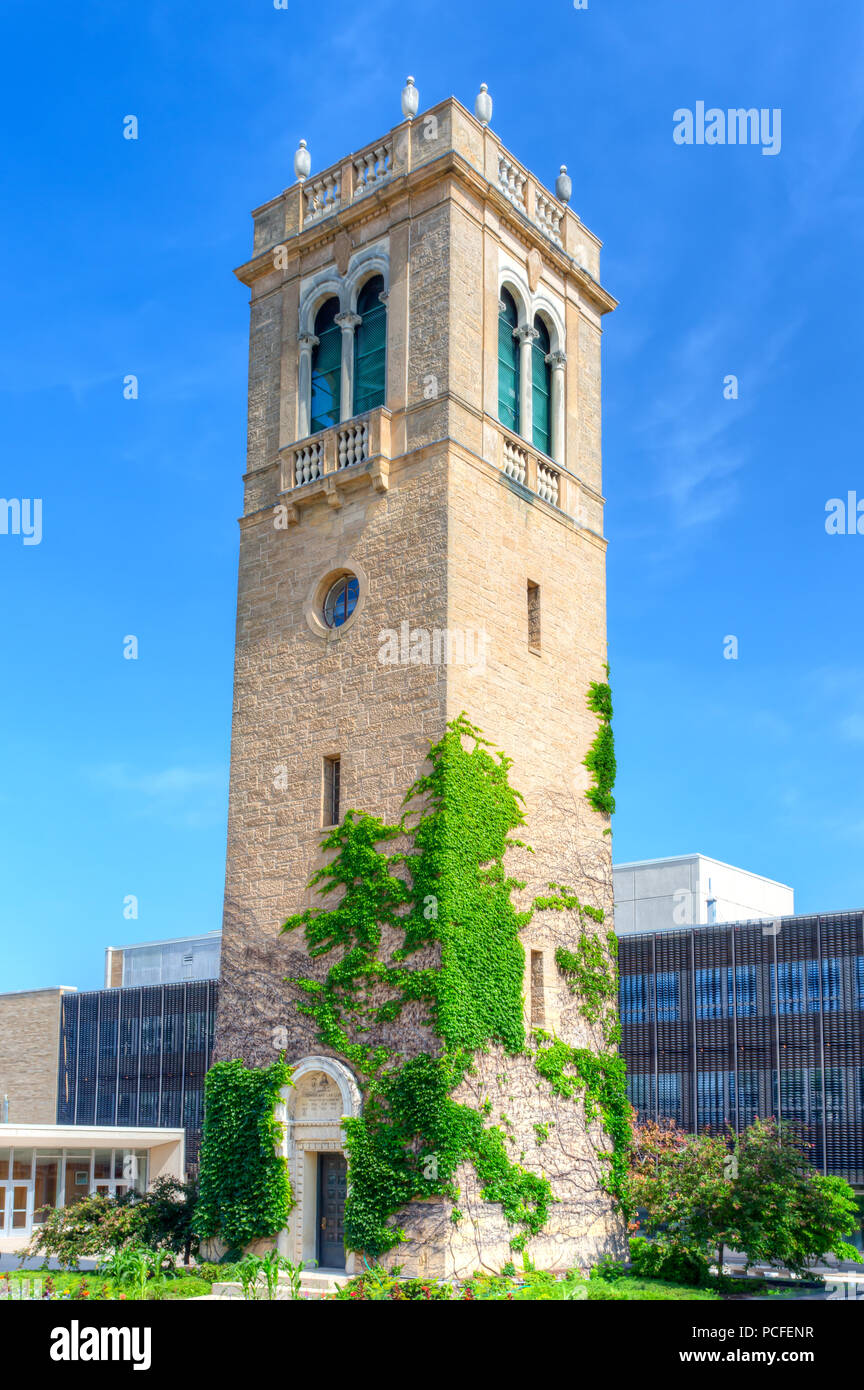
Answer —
535 268
318 1098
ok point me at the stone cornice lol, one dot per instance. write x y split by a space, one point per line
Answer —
402 185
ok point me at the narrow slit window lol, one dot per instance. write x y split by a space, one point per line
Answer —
533 616
538 1003
332 780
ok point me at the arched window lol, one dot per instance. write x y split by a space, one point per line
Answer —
326 369
508 363
541 388
370 348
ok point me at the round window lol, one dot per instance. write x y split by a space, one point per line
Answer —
341 600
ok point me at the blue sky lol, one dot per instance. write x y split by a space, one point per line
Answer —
117 259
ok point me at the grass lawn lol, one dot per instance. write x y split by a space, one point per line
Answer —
90 1286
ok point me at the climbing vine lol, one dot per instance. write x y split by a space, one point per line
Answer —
600 758
244 1189
591 970
600 1078
435 884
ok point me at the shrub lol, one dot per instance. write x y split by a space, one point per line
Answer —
660 1259
91 1227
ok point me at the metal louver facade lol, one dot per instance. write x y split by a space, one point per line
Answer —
721 1024
137 1056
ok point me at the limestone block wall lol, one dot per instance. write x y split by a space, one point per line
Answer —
29 1041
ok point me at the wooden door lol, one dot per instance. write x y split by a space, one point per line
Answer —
332 1187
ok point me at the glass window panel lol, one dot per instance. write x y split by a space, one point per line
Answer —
708 1001
102 1163
5 1156
744 996
541 387
19 1208
370 348
77 1177
326 369
22 1163
508 364
45 1191
787 987
667 996
633 999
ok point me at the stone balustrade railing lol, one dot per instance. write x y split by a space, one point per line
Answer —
372 167
337 188
324 460
512 180
322 196
548 480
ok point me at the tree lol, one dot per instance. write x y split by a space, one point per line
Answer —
780 1209
99 1224
94 1225
679 1181
165 1215
757 1194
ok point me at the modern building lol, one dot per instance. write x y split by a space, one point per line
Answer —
163 962
654 895
44 1166
721 1024
137 1055
104 1089
422 534
29 1047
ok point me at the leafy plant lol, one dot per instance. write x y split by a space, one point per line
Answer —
90 1227
600 759
770 1203
244 1193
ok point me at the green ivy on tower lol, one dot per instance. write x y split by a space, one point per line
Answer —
448 891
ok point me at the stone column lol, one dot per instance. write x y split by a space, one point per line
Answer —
348 323
526 335
557 444
308 342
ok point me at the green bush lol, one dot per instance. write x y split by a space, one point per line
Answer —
660 1259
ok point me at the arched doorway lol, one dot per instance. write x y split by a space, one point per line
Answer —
323 1093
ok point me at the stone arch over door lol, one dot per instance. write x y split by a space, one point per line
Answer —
323 1093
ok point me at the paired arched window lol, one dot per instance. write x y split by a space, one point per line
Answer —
541 388
370 348
508 363
326 369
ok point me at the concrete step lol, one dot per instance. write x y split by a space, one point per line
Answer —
314 1284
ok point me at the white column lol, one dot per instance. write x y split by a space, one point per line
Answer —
308 342
557 361
348 323
526 335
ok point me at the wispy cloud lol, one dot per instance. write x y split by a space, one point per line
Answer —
186 797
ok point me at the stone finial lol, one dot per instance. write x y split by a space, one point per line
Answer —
563 186
302 163
483 106
410 99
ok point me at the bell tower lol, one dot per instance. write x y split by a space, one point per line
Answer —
422 535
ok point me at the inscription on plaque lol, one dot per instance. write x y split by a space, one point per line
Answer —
318 1098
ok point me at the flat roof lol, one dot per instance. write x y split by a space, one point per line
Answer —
167 941
680 858
115 1136
45 989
